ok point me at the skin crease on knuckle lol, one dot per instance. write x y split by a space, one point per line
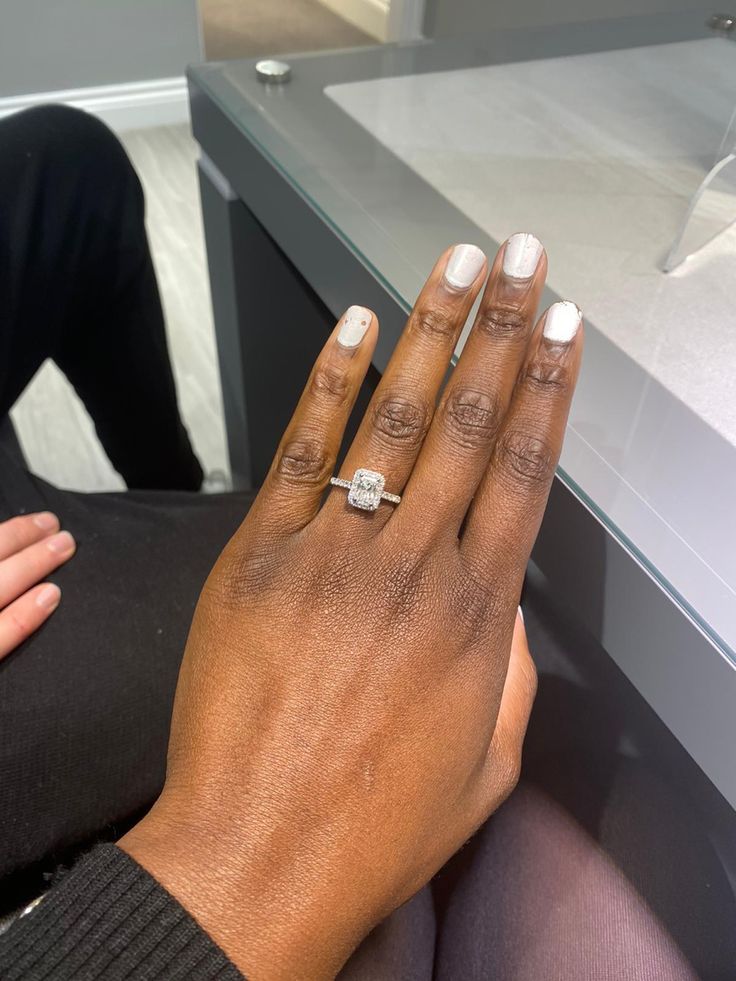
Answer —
331 382
547 376
437 321
525 457
471 418
304 460
401 419
501 321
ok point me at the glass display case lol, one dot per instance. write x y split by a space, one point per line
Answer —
602 139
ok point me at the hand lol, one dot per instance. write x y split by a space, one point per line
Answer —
31 547
347 712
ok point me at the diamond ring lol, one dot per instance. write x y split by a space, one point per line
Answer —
365 490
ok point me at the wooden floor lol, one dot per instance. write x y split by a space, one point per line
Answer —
56 432
245 29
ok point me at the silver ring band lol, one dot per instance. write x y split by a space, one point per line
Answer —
365 490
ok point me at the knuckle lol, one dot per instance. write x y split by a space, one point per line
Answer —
547 377
526 457
304 460
434 322
401 420
407 582
471 417
329 381
20 626
472 606
501 322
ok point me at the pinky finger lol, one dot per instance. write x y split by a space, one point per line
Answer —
305 460
26 614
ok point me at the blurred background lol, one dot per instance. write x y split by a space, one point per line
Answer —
125 61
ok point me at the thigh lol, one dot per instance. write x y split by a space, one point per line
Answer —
612 860
85 703
400 947
535 896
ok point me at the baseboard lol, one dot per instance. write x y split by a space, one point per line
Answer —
370 16
129 105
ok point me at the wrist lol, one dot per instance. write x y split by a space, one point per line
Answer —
267 918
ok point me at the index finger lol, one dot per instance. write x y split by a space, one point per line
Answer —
25 529
507 510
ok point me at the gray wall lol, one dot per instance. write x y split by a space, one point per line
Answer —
449 18
46 45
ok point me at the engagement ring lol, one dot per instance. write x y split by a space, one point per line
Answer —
365 490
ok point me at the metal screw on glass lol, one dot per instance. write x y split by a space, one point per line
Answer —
273 72
724 23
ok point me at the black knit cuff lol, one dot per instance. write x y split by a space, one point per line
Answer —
108 918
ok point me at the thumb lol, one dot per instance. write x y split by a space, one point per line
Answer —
520 688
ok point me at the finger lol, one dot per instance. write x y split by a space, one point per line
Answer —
503 762
24 616
505 516
399 414
29 566
458 446
305 459
18 533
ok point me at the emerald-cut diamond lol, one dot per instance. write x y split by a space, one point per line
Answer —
366 489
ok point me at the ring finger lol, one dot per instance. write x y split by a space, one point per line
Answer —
393 429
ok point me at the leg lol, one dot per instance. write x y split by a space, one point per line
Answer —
77 274
85 704
536 897
612 859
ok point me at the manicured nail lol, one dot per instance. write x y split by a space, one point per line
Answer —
46 521
61 543
521 256
49 597
463 266
521 614
562 322
355 324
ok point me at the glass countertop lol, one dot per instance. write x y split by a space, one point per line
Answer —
595 137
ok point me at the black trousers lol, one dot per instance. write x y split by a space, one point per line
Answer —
600 866
77 285
85 704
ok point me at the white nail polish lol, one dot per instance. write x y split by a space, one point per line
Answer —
562 322
463 266
521 256
355 323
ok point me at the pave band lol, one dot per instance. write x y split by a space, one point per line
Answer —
365 490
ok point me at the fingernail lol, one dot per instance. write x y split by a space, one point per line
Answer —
49 597
355 324
46 521
562 322
61 543
463 266
521 256
521 614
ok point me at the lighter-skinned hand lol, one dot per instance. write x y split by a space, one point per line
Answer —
31 547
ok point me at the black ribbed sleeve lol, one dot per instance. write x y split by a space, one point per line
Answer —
108 918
